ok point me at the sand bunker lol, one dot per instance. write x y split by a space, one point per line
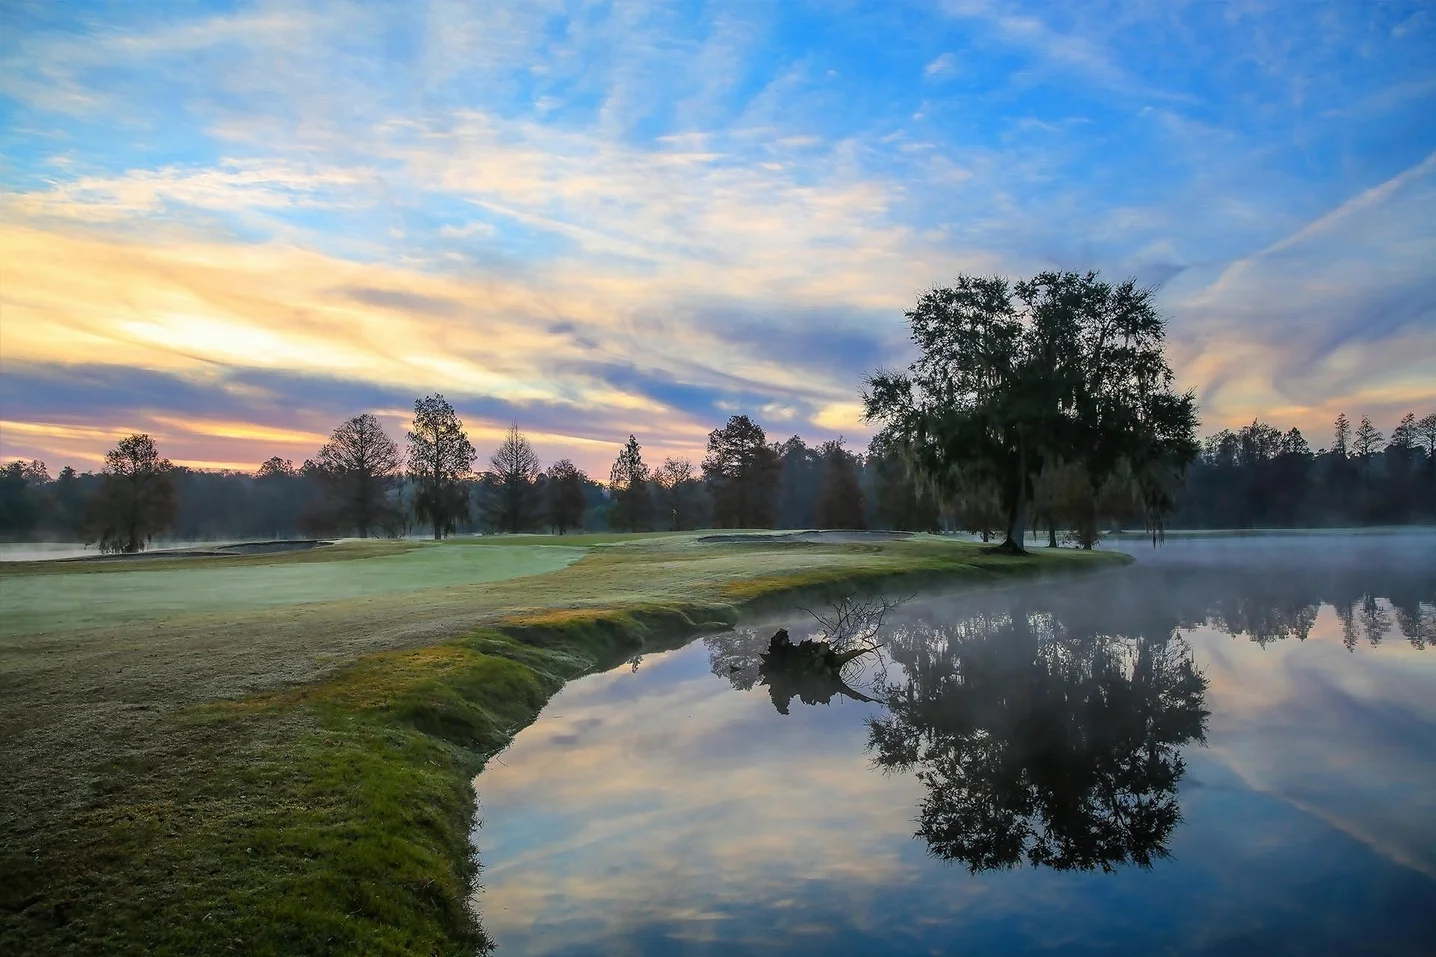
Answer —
209 551
806 537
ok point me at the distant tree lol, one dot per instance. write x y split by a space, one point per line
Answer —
1341 436
628 482
440 459
898 500
564 492
1426 433
742 472
677 492
840 497
22 497
802 469
511 502
357 468
279 497
1423 433
1294 443
136 497
275 467
69 501
1366 441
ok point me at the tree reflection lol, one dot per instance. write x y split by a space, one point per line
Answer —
1038 745
1047 724
741 659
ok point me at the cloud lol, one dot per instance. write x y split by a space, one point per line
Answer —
646 215
943 65
1339 315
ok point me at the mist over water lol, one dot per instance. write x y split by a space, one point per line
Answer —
1227 747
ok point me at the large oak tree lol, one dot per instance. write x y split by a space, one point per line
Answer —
1011 377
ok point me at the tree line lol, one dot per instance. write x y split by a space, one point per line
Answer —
1259 476
362 482
1044 404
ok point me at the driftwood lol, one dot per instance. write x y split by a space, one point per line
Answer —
810 671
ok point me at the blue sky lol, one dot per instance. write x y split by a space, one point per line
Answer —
232 225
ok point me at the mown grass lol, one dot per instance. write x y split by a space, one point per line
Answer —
297 779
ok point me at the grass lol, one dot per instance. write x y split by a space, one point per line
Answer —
49 602
242 774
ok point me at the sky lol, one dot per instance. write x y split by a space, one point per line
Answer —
234 225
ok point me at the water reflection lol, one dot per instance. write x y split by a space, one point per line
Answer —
1037 745
1047 728
1043 741
1035 742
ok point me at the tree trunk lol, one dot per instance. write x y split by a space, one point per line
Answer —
1051 535
1017 515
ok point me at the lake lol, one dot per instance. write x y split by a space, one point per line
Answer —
1227 747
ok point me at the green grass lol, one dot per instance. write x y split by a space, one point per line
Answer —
295 778
48 602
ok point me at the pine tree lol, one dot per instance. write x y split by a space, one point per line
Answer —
628 483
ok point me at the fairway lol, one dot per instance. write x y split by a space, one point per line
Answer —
64 602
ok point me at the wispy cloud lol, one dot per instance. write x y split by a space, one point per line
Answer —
646 215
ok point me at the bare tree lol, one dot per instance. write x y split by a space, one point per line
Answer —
358 467
136 498
851 624
1366 441
440 458
1426 430
673 479
513 470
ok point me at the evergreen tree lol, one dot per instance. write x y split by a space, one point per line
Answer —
840 497
742 472
1341 436
564 492
628 483
802 469
1365 442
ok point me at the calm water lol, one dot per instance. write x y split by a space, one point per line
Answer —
1229 747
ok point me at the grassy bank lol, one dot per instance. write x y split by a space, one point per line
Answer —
237 773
